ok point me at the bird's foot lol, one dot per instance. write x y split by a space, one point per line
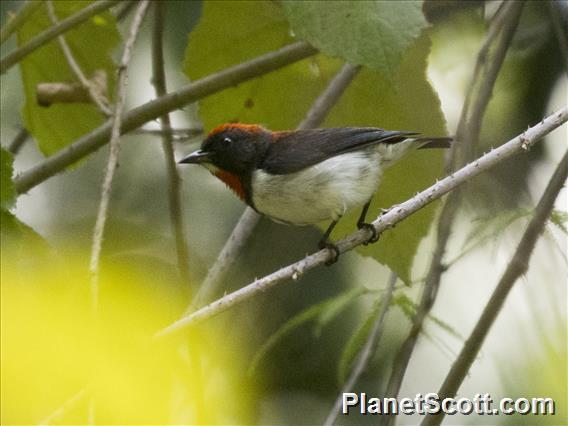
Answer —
374 234
333 249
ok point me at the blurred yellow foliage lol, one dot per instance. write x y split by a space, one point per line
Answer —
63 363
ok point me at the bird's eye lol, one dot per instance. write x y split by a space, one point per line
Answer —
228 140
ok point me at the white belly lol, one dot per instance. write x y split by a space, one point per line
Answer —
321 192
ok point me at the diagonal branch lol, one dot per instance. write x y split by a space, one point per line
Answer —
516 268
14 22
367 351
112 164
159 81
156 108
249 219
487 68
386 221
94 93
45 37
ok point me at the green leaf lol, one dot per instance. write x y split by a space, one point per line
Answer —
232 32
371 33
409 103
323 312
92 44
7 191
356 343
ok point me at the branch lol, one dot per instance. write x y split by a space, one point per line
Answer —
158 107
159 81
249 219
500 34
367 352
94 91
386 221
114 149
516 268
38 41
18 141
16 21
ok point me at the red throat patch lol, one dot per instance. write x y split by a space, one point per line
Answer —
233 182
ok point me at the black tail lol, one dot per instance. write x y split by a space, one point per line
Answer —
443 142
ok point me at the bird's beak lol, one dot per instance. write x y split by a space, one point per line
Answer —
196 157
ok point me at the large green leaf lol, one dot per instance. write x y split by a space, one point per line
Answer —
231 32
372 33
92 44
7 191
408 103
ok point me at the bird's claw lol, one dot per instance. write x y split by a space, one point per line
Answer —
334 250
374 234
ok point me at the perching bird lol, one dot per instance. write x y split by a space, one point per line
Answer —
303 177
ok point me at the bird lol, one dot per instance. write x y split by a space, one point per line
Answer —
303 177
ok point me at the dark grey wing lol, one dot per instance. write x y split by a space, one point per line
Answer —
294 151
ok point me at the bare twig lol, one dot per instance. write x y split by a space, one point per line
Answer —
15 21
499 37
158 107
515 269
21 52
94 91
178 134
249 219
114 149
18 141
367 351
386 221
159 81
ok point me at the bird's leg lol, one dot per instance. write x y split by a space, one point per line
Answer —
362 224
325 243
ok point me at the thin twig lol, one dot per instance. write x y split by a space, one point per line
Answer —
94 93
21 52
520 143
366 353
18 141
467 137
515 269
158 107
178 134
249 219
102 213
14 22
159 81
